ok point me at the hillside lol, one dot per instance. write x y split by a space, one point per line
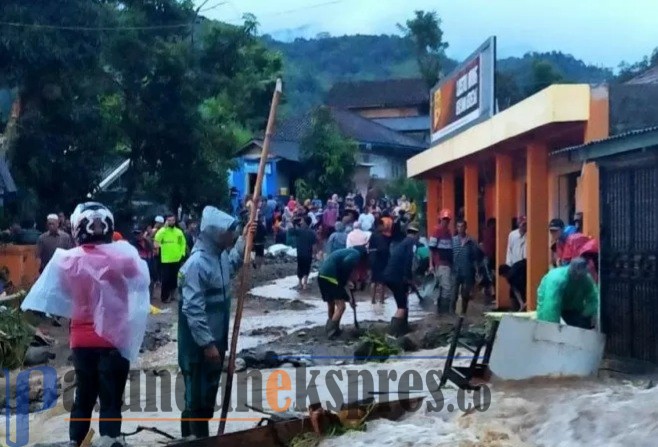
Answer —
313 65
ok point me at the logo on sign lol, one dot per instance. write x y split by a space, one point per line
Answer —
21 434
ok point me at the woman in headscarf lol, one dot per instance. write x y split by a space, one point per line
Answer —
337 240
359 238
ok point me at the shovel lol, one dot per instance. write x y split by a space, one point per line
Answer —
353 305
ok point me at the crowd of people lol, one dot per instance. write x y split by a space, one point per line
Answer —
376 240
95 274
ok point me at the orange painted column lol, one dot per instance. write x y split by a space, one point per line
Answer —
490 200
537 237
590 200
433 203
448 193
597 127
504 213
471 193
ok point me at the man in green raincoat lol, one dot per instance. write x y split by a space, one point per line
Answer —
204 282
569 293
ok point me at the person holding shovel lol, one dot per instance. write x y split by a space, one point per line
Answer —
398 276
334 278
204 284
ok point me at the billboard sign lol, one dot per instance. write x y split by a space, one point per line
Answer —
466 96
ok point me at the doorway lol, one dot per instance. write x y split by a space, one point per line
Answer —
251 186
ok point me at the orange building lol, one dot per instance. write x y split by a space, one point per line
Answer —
504 167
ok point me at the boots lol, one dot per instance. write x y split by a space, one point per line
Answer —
332 329
398 327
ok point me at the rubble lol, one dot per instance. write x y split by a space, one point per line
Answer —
157 335
281 251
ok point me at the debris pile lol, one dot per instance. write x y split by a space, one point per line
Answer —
157 335
15 338
281 251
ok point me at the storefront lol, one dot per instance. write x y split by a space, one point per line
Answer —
501 168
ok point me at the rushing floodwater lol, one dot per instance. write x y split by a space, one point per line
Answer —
548 414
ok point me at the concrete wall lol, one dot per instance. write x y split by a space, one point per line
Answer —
384 167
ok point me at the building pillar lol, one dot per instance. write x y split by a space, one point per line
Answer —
504 213
596 128
519 196
471 196
590 199
537 237
553 195
489 200
448 193
433 203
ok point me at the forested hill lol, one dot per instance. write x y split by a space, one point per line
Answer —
312 65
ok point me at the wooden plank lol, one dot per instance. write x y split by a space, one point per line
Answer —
281 433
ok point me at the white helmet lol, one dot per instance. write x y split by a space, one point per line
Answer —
82 223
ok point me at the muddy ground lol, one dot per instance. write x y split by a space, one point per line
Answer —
430 332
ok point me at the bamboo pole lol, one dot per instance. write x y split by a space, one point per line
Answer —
245 271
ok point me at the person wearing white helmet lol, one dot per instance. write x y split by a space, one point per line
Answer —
103 288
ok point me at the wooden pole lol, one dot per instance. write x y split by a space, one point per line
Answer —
245 270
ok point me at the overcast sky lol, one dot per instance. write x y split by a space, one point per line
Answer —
601 32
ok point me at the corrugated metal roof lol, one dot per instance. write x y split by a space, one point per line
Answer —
620 136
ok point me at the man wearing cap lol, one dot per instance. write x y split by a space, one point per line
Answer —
51 240
559 235
568 292
398 275
441 260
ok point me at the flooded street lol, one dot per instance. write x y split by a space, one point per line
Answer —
546 414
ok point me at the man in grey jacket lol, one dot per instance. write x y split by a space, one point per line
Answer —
204 283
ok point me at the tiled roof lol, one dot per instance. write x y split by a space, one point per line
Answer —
649 76
364 130
385 93
290 131
406 123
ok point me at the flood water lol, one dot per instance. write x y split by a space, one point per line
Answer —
543 414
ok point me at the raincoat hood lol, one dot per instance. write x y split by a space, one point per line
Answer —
213 223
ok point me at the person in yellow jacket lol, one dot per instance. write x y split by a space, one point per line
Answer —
171 243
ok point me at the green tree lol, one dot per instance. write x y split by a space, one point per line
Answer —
543 75
187 101
425 34
60 145
508 92
329 159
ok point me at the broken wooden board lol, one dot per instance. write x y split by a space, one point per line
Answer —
279 434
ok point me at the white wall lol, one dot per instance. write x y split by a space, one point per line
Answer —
384 167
